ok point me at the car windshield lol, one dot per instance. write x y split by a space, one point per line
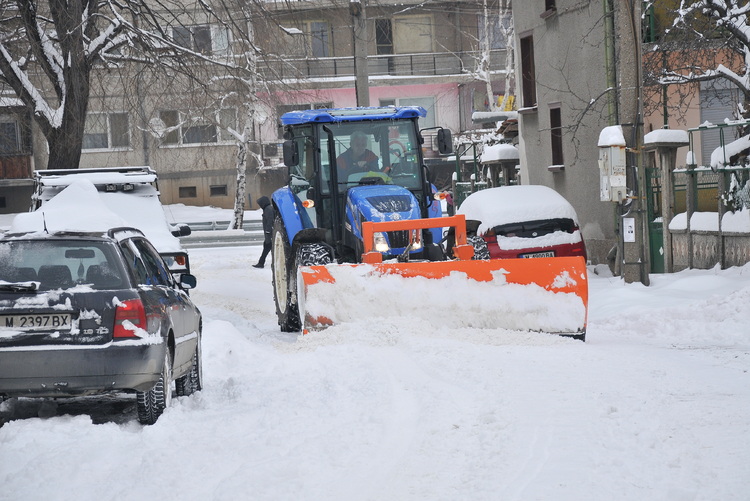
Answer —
60 264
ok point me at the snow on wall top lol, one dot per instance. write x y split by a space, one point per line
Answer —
513 204
729 150
666 136
498 152
611 136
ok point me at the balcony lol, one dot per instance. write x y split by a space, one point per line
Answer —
389 65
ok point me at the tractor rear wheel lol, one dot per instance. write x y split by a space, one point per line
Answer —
284 271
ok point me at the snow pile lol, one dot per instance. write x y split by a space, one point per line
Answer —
513 204
498 152
611 136
720 156
666 136
76 208
360 292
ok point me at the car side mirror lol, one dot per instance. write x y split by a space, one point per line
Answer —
181 230
291 155
188 281
444 141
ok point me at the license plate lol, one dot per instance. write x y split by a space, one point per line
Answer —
41 322
540 254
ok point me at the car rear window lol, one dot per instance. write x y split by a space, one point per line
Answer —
533 229
61 264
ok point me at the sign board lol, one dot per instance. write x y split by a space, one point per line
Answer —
628 229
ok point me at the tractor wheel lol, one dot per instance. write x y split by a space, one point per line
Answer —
313 255
480 247
284 271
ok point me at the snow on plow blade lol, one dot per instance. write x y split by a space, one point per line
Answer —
539 294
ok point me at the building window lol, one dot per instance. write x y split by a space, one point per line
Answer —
2 203
383 36
182 128
106 131
528 78
412 34
10 135
555 126
319 34
218 190
188 192
203 39
495 30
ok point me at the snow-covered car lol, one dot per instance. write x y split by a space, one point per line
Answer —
130 192
524 221
95 313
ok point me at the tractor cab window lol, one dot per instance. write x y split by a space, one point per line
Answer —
373 153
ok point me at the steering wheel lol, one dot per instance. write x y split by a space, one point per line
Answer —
398 149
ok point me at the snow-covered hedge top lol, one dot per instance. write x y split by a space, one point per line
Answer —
666 136
611 136
729 150
497 152
513 204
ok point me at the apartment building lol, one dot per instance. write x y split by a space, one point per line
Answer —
309 54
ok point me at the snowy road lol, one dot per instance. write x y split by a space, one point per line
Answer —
656 405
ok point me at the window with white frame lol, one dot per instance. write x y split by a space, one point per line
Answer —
104 131
183 128
202 38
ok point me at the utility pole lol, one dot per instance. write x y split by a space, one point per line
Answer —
359 38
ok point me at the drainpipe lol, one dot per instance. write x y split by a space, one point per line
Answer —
609 62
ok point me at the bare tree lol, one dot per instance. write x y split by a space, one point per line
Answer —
50 51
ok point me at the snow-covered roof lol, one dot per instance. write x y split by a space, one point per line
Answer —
611 136
513 204
498 152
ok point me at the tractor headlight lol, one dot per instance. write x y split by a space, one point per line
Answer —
381 244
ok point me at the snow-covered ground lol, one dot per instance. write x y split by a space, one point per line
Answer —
654 406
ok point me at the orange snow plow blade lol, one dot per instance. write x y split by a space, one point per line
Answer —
539 294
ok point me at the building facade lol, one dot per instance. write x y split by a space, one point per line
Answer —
306 55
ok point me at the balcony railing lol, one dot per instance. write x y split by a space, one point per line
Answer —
395 65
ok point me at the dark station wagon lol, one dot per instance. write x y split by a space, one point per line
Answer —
95 313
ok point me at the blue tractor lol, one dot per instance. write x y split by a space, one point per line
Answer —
346 167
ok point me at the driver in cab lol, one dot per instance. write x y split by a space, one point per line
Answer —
357 158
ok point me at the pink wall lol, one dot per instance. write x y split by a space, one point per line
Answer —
445 94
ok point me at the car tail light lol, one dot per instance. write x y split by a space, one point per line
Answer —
131 311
